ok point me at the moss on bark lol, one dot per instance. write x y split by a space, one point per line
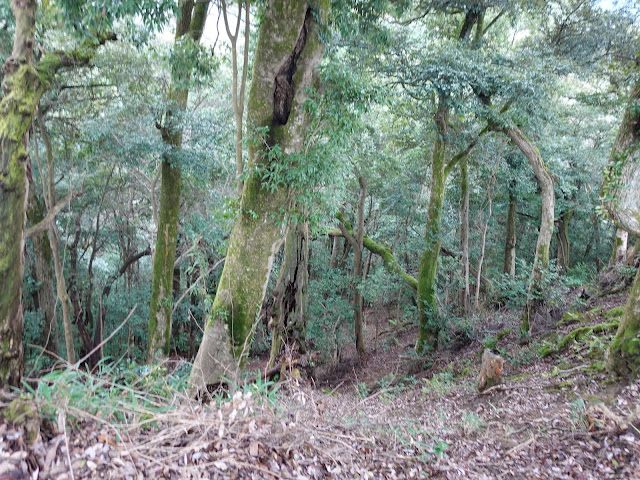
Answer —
190 22
623 355
288 37
427 309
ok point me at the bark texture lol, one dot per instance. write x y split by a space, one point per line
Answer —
22 92
621 198
288 320
620 193
541 259
287 55
427 309
620 243
509 265
190 22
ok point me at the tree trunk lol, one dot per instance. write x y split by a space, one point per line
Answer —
562 235
54 243
620 243
335 245
509 265
541 260
191 22
357 270
287 54
428 312
21 95
288 323
620 194
623 355
464 295
43 272
238 97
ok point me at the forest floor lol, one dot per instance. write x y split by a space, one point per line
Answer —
386 415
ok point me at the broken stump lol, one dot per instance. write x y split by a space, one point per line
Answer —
490 371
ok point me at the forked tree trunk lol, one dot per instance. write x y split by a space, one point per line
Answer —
541 259
288 323
190 22
509 265
287 55
621 197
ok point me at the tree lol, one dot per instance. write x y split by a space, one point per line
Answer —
189 27
288 51
620 195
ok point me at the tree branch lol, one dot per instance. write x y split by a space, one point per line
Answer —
43 224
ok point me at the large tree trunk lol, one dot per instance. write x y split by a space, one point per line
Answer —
621 197
509 265
358 319
464 295
191 22
427 308
288 323
541 260
287 55
21 95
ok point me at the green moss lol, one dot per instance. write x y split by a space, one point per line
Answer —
23 413
576 335
572 317
616 312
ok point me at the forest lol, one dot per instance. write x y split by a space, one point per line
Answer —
319 239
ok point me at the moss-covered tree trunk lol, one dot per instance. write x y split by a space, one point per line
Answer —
288 324
509 265
621 197
541 259
427 308
21 95
191 20
287 54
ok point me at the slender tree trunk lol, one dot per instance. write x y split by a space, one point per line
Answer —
464 295
483 243
238 97
191 22
43 272
335 245
288 325
357 270
562 236
287 55
541 260
427 308
54 243
509 265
